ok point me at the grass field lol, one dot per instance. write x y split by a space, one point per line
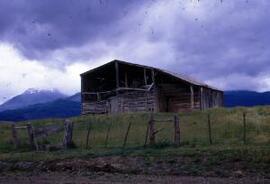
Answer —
227 133
195 156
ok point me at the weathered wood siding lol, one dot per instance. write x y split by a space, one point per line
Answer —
99 107
177 98
137 101
129 101
211 98
125 87
166 98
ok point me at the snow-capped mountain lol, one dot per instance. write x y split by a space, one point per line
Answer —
60 108
71 106
75 98
30 97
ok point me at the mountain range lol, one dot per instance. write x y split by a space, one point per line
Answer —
246 98
31 97
40 104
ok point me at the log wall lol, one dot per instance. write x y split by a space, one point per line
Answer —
128 101
177 98
99 107
165 98
211 98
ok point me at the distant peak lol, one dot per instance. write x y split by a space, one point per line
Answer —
31 91
34 91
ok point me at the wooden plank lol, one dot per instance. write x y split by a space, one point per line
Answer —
107 134
145 77
88 135
98 97
32 140
152 138
126 80
146 135
176 131
117 75
133 89
153 76
209 129
191 97
67 142
201 98
159 130
95 93
20 127
126 135
47 130
16 141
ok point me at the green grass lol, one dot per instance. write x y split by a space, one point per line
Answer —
227 134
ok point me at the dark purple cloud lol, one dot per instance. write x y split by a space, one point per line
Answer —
218 41
42 26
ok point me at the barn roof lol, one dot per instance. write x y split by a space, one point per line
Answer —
176 75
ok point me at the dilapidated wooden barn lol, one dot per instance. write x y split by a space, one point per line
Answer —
119 86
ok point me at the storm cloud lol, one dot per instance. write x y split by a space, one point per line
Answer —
39 26
222 42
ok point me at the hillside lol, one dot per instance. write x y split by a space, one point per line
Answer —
57 109
246 98
31 97
75 98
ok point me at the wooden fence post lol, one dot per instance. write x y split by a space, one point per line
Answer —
244 127
126 136
107 134
146 135
152 137
209 129
15 136
88 134
31 134
67 143
176 131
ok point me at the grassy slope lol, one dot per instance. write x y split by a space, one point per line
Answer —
226 127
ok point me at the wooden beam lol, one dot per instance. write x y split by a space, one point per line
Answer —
152 137
67 142
146 135
98 97
132 89
144 75
82 96
209 129
176 131
153 75
156 92
117 74
191 97
201 98
107 134
126 136
96 93
126 80
15 136
88 135
32 138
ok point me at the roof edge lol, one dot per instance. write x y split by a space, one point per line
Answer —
176 75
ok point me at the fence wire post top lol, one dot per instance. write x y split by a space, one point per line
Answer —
67 121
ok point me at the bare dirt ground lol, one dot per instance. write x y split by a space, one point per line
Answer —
118 169
104 178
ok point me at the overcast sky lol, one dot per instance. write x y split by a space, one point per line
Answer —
47 43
